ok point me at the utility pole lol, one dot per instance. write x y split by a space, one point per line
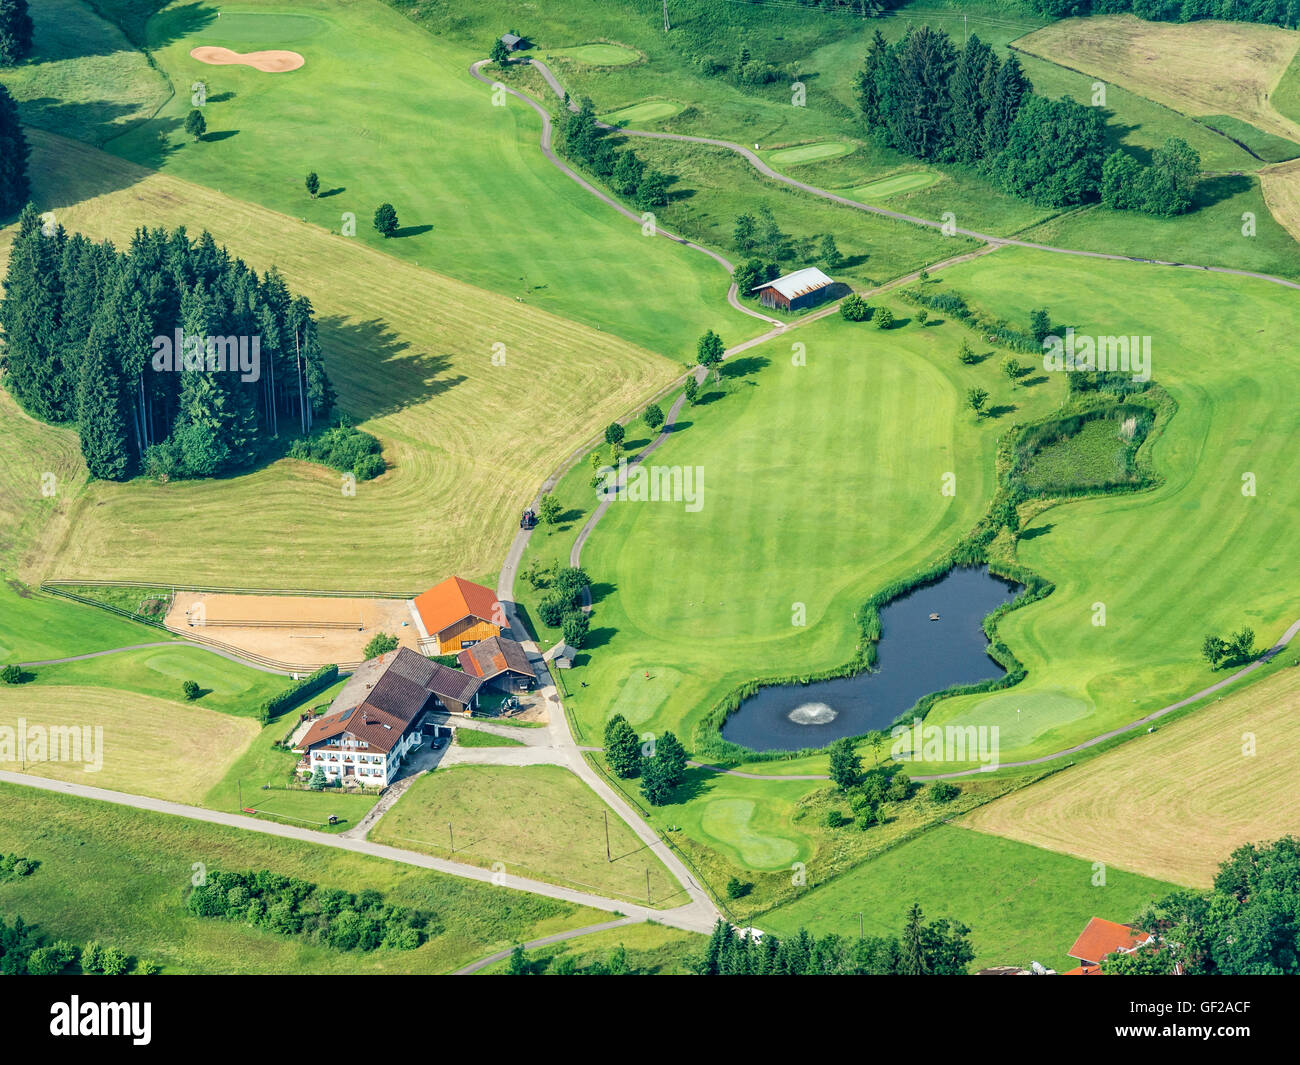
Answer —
667 25
451 838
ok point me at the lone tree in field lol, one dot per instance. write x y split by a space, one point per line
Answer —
976 398
386 219
846 766
662 771
195 124
653 416
191 689
500 54
15 32
1040 324
549 510
622 747
710 351
614 433
830 254
313 184
1012 369
380 644
691 390
853 308
11 674
967 354
14 186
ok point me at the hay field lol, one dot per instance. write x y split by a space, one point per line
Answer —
1172 804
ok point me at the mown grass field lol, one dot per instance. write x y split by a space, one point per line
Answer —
476 198
652 950
471 737
156 747
121 876
36 626
1198 68
821 482
1174 804
409 351
1144 556
536 821
1021 903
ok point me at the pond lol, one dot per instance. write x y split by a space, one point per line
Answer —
916 655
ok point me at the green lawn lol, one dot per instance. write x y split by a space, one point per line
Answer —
1267 146
472 737
892 186
637 114
535 821
809 153
121 876
485 174
35 626
1021 903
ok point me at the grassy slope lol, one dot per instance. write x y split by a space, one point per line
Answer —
155 747
410 353
651 950
121 876
1021 903
536 821
1174 804
1144 556
35 627
475 196
823 478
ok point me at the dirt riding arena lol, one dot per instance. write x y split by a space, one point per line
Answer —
274 62
294 630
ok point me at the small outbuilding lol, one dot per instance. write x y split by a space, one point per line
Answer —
512 42
793 292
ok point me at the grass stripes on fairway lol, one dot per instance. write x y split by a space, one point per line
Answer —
411 354
1176 803
1200 553
1022 903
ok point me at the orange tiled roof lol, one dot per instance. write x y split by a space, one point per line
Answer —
454 600
1103 937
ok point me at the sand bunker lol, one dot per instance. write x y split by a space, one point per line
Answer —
270 62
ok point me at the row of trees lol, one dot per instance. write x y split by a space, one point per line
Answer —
292 907
660 763
91 339
15 32
940 948
586 142
1248 924
15 187
24 951
924 96
1270 12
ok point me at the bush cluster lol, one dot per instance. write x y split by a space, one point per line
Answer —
342 447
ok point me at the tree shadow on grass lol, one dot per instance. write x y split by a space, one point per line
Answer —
1000 409
331 192
601 590
219 135
411 231
1037 531
1217 189
695 782
598 638
745 365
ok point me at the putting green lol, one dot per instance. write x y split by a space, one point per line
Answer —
808 153
892 186
180 663
646 111
600 55
642 697
1022 717
728 823
261 27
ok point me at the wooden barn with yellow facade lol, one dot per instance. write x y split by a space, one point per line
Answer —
456 614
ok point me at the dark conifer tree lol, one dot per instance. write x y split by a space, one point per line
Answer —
15 32
15 188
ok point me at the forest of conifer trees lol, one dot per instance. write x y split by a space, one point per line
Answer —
171 359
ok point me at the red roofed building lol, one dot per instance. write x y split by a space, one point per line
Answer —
500 662
1099 940
455 614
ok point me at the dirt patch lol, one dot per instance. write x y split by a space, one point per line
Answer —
294 629
273 62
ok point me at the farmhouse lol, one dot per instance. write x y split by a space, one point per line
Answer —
1100 939
793 292
500 662
454 615
380 722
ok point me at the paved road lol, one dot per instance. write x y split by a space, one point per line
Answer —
545 941
690 917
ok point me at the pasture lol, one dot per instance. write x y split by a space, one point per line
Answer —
121 876
534 821
410 353
151 746
1197 68
1021 903
1173 804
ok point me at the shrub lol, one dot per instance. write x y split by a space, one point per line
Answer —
737 888
551 610
191 689
942 791
835 818
11 675
380 644
853 308
575 627
653 416
884 318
